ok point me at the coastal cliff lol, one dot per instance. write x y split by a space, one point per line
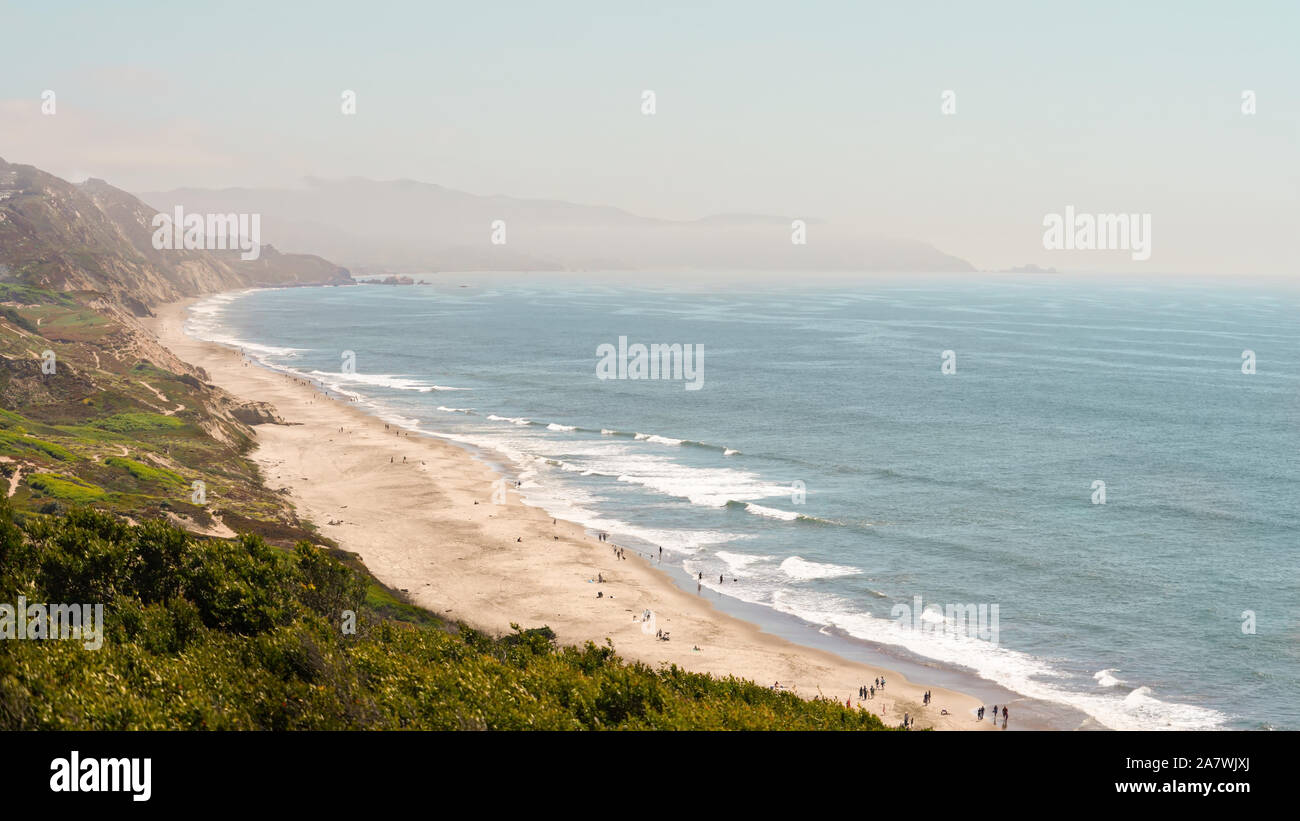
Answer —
92 237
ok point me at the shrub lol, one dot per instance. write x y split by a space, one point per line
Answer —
208 634
145 473
65 487
136 422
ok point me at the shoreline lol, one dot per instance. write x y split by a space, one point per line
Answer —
418 512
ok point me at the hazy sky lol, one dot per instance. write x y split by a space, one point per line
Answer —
826 110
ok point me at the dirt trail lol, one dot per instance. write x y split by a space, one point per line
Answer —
179 407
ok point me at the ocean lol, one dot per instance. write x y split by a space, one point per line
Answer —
1085 462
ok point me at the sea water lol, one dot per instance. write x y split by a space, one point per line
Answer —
856 442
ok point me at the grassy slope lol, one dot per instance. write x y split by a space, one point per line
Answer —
117 428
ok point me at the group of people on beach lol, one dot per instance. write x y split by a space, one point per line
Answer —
868 691
979 714
700 575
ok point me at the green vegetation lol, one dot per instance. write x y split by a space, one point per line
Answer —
9 419
65 488
137 422
144 472
14 443
206 634
60 324
104 402
18 319
27 295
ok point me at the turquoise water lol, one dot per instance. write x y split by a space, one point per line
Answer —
969 488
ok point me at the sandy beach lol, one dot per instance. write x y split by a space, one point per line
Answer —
420 513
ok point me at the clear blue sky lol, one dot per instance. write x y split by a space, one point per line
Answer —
828 110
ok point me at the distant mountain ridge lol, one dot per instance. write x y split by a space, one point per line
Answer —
409 226
61 236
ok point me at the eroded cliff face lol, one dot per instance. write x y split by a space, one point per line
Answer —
59 236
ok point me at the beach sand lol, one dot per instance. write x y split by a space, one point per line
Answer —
419 513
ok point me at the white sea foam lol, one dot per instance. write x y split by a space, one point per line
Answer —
576 505
554 426
738 562
1105 678
709 487
205 322
797 567
657 439
771 512
1017 671
408 422
380 380
514 420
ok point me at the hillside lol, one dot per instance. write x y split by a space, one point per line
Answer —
121 422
